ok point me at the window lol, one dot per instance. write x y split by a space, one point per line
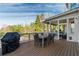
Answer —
72 28
73 5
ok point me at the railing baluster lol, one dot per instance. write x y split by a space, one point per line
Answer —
29 36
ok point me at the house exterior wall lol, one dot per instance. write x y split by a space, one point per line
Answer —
74 35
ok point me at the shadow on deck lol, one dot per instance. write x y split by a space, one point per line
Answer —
59 48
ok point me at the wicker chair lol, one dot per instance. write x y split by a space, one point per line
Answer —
35 39
50 38
38 41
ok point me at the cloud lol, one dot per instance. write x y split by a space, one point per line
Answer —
31 7
21 13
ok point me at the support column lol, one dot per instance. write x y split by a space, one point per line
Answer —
58 30
76 29
47 28
50 27
67 29
42 27
75 32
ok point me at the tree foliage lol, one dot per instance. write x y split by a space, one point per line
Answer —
37 26
16 28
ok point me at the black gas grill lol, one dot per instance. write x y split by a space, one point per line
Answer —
10 42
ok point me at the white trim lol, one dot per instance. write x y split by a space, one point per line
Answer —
67 29
58 29
62 14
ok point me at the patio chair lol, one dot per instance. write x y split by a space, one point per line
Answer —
51 38
37 40
46 41
40 40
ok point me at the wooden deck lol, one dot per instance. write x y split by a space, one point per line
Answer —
59 48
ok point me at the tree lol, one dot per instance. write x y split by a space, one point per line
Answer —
37 25
16 28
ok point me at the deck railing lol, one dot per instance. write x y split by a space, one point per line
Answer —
25 37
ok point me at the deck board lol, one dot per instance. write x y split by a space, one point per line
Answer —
58 48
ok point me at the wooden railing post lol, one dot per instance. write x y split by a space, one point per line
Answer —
29 36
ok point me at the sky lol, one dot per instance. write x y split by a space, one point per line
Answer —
25 13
